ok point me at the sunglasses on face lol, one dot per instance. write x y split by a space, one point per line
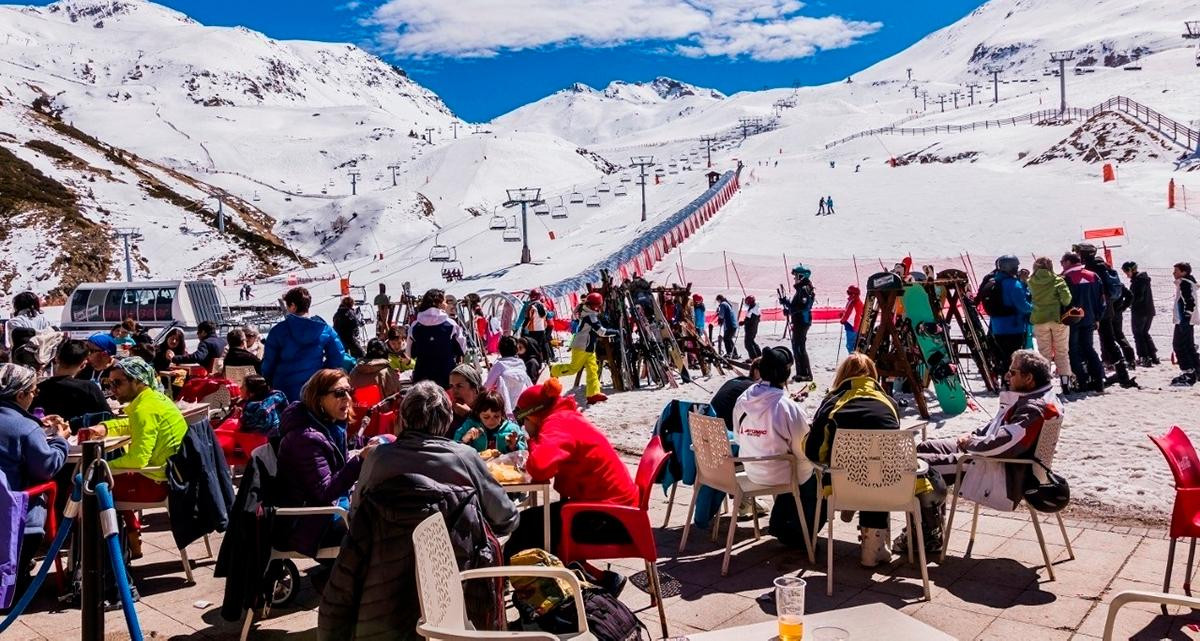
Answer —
339 393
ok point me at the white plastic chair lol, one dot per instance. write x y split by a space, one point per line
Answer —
715 467
278 555
122 506
874 471
238 373
1047 444
439 587
1126 597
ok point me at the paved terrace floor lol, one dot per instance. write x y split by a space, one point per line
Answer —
998 591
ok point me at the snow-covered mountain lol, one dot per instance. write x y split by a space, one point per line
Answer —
1018 36
585 115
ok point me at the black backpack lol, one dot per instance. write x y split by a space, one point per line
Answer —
607 618
991 295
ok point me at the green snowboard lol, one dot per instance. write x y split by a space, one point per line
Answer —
931 337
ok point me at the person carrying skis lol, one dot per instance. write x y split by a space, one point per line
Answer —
750 322
800 311
829 205
820 206
728 322
1186 318
583 348
1141 310
851 316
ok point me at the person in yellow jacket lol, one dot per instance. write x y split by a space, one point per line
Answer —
156 427
583 348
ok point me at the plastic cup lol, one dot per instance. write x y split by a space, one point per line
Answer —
830 634
789 607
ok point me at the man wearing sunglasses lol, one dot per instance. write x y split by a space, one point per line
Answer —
156 429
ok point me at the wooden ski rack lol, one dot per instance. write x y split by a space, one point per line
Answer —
892 346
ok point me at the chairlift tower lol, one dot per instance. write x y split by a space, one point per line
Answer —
995 70
524 197
642 162
454 126
971 87
126 234
745 124
429 135
955 94
353 181
1062 57
708 143
942 102
924 100
393 167
219 195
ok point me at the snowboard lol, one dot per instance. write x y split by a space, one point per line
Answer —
931 337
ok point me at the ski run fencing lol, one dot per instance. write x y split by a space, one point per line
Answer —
1179 133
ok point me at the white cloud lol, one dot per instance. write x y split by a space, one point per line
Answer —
758 29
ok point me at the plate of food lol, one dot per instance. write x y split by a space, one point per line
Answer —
507 469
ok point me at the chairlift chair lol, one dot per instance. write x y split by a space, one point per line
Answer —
512 234
576 197
626 178
620 190
452 271
497 221
604 188
593 200
440 253
541 210
559 211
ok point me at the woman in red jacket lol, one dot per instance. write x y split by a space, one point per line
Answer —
565 447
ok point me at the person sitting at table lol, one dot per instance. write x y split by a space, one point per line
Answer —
300 346
253 341
768 422
172 345
464 389
315 460
211 348
156 428
507 375
857 401
29 455
372 590
531 356
236 354
101 353
566 448
261 407
488 427
396 345
374 369
63 394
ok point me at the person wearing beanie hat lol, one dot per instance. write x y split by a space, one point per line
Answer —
101 348
768 422
583 348
852 316
566 447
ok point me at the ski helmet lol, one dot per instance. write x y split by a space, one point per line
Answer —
697 299
535 294
1051 496
853 290
594 300
800 271
1008 264
750 301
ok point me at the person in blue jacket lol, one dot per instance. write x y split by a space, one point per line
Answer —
728 322
698 311
299 346
1009 330
1088 304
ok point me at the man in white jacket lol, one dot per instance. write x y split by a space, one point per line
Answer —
769 422
507 375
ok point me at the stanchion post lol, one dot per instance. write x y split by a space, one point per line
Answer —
91 551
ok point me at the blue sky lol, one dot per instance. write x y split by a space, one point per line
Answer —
486 57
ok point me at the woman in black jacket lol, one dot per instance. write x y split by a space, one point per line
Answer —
1141 311
346 323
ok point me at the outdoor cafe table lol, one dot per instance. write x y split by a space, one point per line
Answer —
863 622
535 489
75 453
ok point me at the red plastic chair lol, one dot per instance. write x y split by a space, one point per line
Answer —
381 423
368 396
1181 456
236 444
636 521
50 490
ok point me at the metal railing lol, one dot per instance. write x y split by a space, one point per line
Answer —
1177 132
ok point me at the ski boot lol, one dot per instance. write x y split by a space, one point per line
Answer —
1067 383
1122 376
873 546
1186 379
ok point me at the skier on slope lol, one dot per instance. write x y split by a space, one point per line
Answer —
851 316
800 311
829 206
728 322
820 206
750 322
583 348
